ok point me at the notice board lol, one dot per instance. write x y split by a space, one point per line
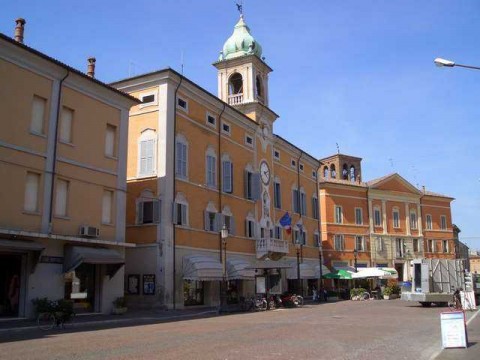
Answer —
454 332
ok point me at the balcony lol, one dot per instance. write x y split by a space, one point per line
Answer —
274 248
235 99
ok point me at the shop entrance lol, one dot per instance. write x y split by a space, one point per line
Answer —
80 287
10 270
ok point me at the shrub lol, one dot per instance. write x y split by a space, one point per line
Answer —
120 302
356 292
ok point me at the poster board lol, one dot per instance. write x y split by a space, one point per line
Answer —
149 284
260 284
133 284
454 332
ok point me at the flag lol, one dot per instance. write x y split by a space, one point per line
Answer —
286 222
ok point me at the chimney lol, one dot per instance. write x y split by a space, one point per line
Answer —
91 67
423 189
19 30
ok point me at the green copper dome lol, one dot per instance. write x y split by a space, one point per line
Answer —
240 43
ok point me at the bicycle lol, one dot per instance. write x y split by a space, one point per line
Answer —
54 314
456 303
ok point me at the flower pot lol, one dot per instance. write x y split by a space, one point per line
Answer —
119 310
387 297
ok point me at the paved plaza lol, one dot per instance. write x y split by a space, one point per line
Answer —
342 330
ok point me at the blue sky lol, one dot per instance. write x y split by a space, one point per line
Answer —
356 73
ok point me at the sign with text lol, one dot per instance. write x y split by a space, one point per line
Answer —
260 282
149 284
454 332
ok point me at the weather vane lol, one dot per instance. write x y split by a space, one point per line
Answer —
240 7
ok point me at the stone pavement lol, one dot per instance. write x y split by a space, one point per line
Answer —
473 335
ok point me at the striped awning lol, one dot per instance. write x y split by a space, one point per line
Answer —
202 268
306 271
239 269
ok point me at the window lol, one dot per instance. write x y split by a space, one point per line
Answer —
278 232
431 246
415 245
316 239
66 122
277 194
227 175
443 222
314 174
226 129
182 104
107 206
211 120
276 154
396 218
37 126
181 156
293 163
428 222
248 140
180 214
295 201
445 246
300 167
380 244
358 216
211 221
339 242
110 140
413 219
360 243
147 145
147 100
193 292
303 202
61 196
338 215
325 172
333 172
148 208
250 228
315 207
252 184
31 192
400 247
228 220
377 219
211 168
299 236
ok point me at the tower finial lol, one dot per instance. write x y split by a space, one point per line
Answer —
240 7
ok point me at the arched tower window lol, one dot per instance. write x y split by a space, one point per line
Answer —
352 173
325 172
259 88
333 173
345 172
235 84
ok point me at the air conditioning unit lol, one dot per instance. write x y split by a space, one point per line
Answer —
89 231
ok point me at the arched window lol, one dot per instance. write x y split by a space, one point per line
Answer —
333 173
181 156
180 210
235 84
345 172
250 226
228 220
212 218
147 144
259 87
148 208
352 173
325 172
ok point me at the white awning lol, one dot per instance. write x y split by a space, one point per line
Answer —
325 270
202 268
236 269
392 273
77 255
306 271
369 273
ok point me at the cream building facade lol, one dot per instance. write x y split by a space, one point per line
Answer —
63 153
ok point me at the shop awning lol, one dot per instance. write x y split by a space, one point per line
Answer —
20 245
269 264
325 271
237 269
202 268
369 273
391 273
306 271
77 255
339 274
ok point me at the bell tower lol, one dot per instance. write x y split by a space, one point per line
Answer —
243 75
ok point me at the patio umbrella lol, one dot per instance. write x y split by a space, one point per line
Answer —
339 274
370 273
391 273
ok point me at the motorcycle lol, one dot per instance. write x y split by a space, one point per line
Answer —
291 300
260 303
274 302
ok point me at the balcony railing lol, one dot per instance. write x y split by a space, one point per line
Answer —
265 246
235 99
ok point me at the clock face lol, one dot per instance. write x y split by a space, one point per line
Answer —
264 172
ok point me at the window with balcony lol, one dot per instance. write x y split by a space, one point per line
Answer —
278 232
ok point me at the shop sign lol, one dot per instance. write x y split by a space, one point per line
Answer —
453 329
148 284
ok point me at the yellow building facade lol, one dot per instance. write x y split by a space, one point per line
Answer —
62 171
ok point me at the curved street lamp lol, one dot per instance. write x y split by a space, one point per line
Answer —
449 63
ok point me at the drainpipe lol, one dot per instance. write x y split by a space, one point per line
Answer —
54 165
320 245
299 203
219 178
175 188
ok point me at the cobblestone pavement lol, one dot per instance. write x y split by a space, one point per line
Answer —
377 329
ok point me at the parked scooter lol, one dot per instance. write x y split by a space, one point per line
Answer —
274 302
292 300
260 303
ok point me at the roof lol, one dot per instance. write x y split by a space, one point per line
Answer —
65 66
340 155
431 193
377 180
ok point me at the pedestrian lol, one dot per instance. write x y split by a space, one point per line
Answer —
325 295
315 293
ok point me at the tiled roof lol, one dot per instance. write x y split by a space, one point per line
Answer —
431 193
377 180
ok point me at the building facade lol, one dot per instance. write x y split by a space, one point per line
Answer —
63 152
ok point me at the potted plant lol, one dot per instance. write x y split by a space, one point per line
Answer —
387 293
119 306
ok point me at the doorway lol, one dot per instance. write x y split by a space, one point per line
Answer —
80 287
10 271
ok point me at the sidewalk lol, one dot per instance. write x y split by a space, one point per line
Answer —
131 317
472 352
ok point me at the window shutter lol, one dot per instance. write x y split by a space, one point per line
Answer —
218 221
143 159
174 213
156 211
140 212
31 192
66 125
38 115
231 177
206 219
184 214
256 187
232 225
246 184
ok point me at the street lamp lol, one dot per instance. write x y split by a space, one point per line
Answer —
297 246
320 280
223 292
355 254
449 63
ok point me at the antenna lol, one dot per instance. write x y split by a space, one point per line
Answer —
338 148
239 4
181 62
391 162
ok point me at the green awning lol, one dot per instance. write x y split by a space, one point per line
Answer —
339 274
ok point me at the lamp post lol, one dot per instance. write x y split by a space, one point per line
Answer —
223 290
449 63
297 247
320 271
355 254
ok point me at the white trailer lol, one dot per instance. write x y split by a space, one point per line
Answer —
435 280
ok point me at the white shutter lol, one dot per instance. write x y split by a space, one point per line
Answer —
107 207
218 222
31 192
66 125
149 156
227 168
110 140
38 115
156 211
61 197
